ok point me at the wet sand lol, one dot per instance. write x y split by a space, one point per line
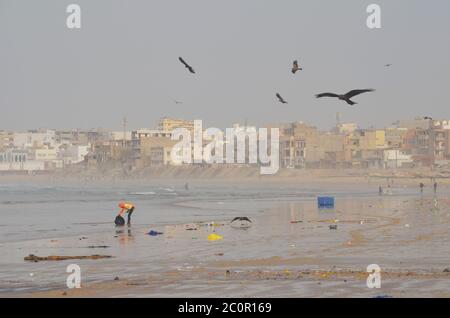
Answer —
406 234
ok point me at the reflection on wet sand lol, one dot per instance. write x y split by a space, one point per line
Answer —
293 249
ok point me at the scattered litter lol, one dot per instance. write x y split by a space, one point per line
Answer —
406 225
98 246
333 227
191 227
212 223
154 233
219 254
214 237
83 238
295 222
34 258
293 245
185 268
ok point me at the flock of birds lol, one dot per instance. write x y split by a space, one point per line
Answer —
295 68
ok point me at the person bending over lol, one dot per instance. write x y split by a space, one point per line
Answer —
127 208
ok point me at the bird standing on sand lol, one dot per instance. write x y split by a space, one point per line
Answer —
186 65
241 218
281 99
295 67
346 97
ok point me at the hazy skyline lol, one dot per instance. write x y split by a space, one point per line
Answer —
124 62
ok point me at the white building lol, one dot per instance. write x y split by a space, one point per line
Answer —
73 154
396 158
17 160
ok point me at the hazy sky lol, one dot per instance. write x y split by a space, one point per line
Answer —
123 61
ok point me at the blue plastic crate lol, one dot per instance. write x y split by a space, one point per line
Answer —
325 202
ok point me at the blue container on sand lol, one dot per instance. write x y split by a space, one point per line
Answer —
325 202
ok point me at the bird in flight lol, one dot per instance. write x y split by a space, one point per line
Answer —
295 67
281 99
186 65
346 97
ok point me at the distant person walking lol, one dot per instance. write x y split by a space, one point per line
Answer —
435 186
421 186
380 190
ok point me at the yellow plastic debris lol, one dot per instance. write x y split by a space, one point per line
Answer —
214 237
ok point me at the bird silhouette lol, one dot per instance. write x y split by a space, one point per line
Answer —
281 99
346 97
295 67
186 65
241 218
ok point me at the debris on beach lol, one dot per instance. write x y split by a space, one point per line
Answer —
34 258
98 246
333 227
83 238
154 233
210 224
383 296
295 222
214 237
325 202
447 270
219 254
116 278
191 227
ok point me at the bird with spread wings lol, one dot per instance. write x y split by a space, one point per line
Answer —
190 68
346 97
281 99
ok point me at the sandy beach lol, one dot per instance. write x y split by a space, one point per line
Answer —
289 250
